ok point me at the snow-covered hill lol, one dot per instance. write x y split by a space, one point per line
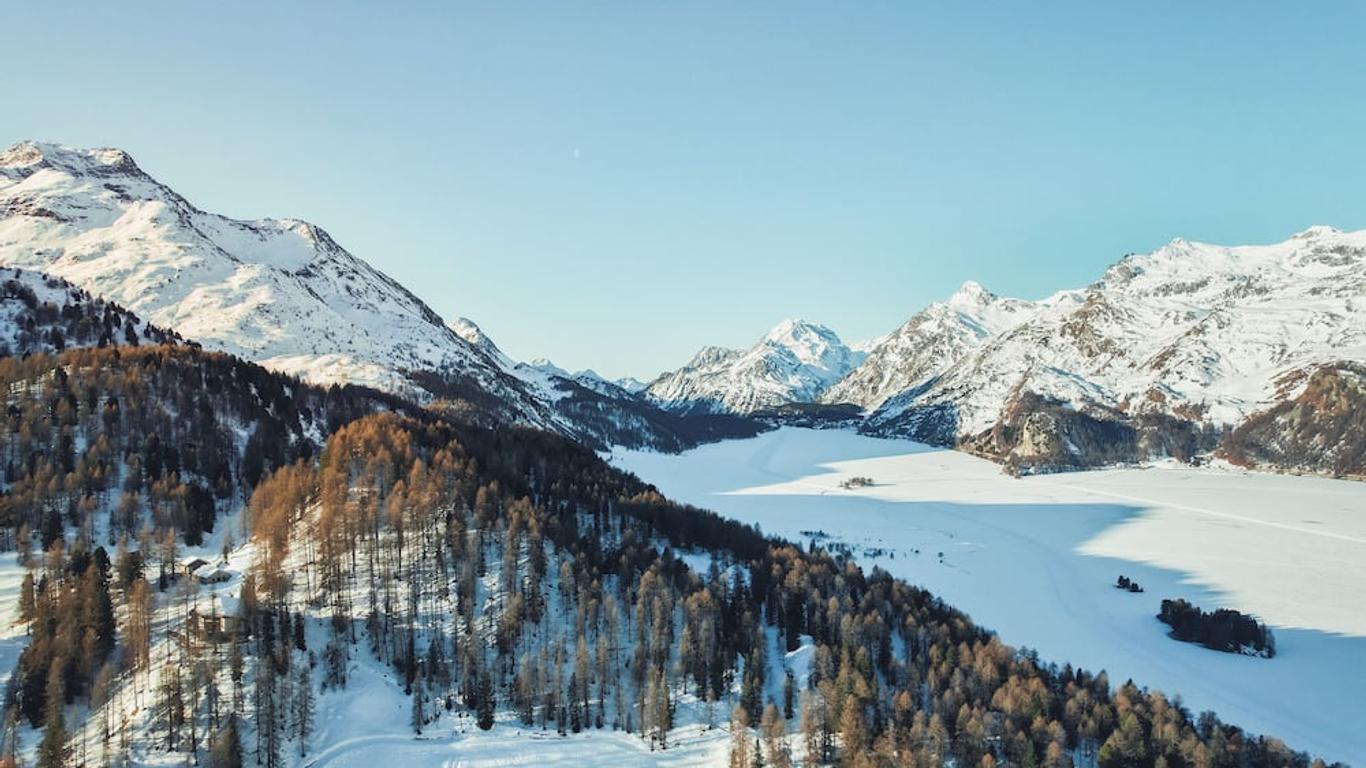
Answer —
279 292
795 362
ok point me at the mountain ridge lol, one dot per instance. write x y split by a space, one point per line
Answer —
282 293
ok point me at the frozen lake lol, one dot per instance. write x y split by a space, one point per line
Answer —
1036 560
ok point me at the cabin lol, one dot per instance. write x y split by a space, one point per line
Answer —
218 619
214 576
191 564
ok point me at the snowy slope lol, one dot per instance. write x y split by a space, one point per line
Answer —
41 313
794 362
1197 332
629 383
928 343
279 292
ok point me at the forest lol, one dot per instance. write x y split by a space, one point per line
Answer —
505 574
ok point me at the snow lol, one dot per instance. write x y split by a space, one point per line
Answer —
1189 328
279 292
13 636
928 343
1036 559
794 362
367 724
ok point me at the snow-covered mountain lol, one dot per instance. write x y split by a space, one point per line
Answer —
1187 338
629 383
929 343
279 292
1165 355
795 362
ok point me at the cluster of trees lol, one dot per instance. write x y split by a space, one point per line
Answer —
1127 584
1223 629
67 317
114 439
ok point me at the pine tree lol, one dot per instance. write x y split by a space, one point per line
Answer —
52 750
812 717
853 728
486 703
739 738
774 731
418 717
27 604
303 708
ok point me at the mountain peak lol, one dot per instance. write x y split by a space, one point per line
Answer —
34 155
544 365
1316 231
798 330
971 293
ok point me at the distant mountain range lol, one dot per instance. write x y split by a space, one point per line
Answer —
1252 353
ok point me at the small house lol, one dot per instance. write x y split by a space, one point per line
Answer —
214 576
191 564
217 619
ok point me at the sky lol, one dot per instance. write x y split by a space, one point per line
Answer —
614 185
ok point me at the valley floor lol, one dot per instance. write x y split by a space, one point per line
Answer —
1037 558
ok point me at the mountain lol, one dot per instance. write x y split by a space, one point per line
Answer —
279 292
630 384
795 362
598 413
1162 355
927 344
1252 353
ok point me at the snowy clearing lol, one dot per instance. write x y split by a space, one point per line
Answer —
1036 559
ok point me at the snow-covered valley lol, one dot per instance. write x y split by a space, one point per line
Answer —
1037 558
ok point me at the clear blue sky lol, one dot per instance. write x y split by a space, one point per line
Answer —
615 184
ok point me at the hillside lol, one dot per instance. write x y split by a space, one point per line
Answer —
281 293
41 314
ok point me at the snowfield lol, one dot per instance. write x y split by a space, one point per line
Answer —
1036 559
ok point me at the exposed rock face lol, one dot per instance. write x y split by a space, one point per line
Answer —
1322 429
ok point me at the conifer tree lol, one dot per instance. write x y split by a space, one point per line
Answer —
52 750
739 738
303 708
